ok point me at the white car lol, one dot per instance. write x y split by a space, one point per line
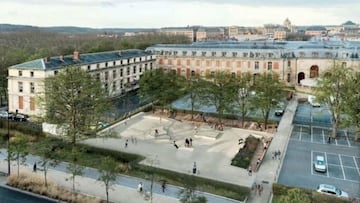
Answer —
320 164
331 190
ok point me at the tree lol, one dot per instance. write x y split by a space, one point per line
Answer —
220 90
269 92
159 85
73 167
351 101
75 101
18 151
192 88
46 158
244 85
107 170
330 90
294 195
188 193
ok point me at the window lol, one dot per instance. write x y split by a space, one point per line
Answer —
192 73
213 53
184 53
288 77
114 85
257 54
245 55
106 64
98 76
203 53
128 71
315 54
114 63
256 65
32 104
114 74
343 64
269 65
32 87
121 84
140 69
234 54
145 66
88 67
56 72
20 73
31 74
223 53
106 86
212 73
21 102
134 70
302 54
233 75
106 75
20 86
289 63
194 53
121 72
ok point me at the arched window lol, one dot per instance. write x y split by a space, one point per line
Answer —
314 71
301 76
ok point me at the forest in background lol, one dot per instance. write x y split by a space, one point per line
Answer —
19 47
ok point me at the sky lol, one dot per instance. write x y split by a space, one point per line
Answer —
177 13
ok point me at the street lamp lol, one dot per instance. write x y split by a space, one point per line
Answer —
8 141
242 94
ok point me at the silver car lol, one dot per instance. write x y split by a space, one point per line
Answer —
331 190
320 164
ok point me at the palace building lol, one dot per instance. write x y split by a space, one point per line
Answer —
293 61
119 72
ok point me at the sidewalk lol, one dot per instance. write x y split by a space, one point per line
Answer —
269 169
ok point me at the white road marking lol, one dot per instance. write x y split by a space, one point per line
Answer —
357 167
300 133
311 162
347 138
326 164
323 135
342 167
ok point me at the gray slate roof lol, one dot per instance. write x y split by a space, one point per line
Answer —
88 58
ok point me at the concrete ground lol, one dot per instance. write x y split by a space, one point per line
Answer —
212 150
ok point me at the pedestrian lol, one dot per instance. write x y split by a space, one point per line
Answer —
329 140
190 142
279 154
250 171
260 189
34 167
194 168
175 145
187 143
258 161
140 187
126 143
163 185
273 155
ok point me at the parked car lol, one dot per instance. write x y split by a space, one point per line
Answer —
280 110
331 190
21 117
6 115
320 164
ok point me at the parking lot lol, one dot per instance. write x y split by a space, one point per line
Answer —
310 137
342 167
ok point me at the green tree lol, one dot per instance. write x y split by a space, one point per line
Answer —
294 195
46 157
159 85
269 92
18 151
107 170
75 101
74 167
330 90
351 101
244 99
188 193
220 90
192 87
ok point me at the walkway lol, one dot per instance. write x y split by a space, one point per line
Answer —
270 168
123 191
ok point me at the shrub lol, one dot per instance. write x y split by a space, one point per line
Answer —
243 157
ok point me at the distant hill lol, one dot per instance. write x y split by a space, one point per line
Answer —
69 29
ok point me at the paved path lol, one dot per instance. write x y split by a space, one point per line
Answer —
270 169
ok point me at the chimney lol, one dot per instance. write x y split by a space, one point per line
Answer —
61 58
47 60
76 56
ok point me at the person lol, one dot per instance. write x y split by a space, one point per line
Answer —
186 142
258 161
190 142
140 187
156 132
163 185
126 143
34 167
250 171
194 168
175 145
329 140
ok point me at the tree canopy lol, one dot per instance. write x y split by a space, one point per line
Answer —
75 100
